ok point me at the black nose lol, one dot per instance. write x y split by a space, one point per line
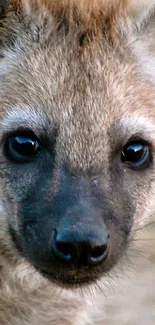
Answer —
88 251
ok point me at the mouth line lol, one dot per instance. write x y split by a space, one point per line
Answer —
68 280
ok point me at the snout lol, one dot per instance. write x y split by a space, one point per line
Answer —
70 253
73 238
79 247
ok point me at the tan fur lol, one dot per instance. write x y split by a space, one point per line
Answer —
102 35
91 12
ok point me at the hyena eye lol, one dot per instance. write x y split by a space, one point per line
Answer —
136 154
22 147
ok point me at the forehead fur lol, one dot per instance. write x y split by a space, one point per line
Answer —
84 101
64 6
89 11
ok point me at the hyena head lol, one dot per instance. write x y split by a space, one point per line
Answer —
77 106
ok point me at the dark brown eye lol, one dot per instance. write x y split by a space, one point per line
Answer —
22 148
136 154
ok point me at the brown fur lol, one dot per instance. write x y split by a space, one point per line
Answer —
48 50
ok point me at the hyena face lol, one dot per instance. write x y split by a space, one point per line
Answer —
77 133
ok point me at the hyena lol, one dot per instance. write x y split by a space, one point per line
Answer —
77 174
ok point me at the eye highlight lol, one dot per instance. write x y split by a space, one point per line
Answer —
22 147
136 154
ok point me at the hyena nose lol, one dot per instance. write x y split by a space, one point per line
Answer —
88 251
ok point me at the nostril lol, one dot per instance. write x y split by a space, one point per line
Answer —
99 253
62 250
66 249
